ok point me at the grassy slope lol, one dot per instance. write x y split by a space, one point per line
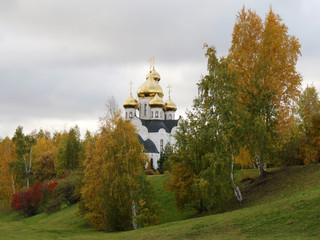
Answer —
290 209
169 212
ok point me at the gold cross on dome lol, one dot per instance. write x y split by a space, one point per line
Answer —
169 86
152 60
130 83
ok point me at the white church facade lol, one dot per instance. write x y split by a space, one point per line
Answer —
155 122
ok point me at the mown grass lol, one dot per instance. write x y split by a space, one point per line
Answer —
284 206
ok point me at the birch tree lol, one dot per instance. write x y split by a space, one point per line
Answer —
264 55
23 148
113 165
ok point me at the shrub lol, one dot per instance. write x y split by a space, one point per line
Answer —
149 171
67 191
28 202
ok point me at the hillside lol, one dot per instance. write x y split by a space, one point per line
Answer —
286 205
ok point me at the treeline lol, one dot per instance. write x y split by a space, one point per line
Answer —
249 113
39 157
104 172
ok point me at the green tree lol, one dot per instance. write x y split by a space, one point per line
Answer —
68 155
309 112
23 147
208 140
163 163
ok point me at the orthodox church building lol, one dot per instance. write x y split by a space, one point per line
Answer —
155 122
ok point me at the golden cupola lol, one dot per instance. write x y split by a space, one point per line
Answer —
170 105
131 102
156 101
150 87
155 75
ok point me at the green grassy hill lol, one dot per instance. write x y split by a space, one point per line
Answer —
286 205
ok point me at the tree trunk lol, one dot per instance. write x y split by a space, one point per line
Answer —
134 214
236 189
260 165
28 167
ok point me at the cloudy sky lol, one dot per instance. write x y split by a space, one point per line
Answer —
61 60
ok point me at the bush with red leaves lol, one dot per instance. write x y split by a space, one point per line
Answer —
29 202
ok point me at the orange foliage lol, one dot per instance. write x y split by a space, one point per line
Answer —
7 179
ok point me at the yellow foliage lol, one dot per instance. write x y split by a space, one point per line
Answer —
116 158
244 158
7 179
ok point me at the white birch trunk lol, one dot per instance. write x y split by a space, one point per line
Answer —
28 166
259 165
134 214
236 189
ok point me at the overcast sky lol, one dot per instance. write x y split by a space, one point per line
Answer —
61 60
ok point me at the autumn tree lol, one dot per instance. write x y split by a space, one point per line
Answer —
264 55
44 154
7 178
114 163
309 112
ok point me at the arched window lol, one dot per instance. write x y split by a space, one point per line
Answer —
145 110
126 115
161 145
170 117
157 114
130 114
152 114
160 114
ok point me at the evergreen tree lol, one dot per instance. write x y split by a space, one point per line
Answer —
163 163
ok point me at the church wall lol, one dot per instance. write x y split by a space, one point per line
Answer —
145 110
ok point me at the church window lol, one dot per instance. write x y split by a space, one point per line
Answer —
160 114
170 117
145 110
161 145
126 115
130 114
152 114
157 114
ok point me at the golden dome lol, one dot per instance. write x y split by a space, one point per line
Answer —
131 102
150 88
156 101
170 106
155 75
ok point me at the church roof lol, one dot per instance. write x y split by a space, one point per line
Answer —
149 88
156 125
148 145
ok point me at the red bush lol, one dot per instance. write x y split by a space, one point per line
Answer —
51 187
28 202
